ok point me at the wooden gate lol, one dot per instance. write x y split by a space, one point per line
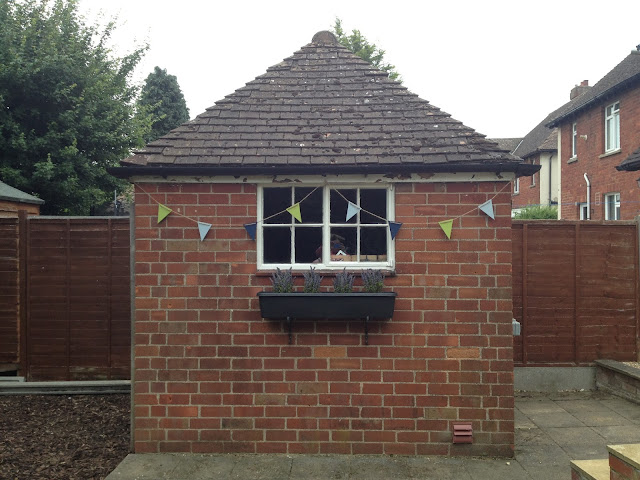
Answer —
77 298
575 291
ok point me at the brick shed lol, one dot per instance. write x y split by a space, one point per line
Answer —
322 128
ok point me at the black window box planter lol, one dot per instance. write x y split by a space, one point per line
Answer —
327 305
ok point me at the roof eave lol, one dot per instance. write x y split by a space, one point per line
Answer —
607 93
521 169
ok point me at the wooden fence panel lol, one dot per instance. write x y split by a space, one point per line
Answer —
78 298
9 291
575 291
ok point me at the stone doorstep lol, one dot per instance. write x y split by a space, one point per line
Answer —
590 469
627 453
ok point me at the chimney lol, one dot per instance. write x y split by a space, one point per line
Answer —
579 89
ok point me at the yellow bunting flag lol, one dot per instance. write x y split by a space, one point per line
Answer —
446 226
163 212
294 210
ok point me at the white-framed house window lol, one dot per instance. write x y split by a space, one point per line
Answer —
612 206
584 211
516 185
612 127
574 140
325 238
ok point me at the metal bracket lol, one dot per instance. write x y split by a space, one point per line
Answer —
289 321
366 330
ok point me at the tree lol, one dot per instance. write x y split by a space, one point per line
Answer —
162 97
358 44
537 213
67 105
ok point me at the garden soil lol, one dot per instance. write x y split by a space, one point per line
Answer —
51 437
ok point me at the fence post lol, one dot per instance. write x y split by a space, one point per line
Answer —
576 291
637 262
523 327
23 242
132 289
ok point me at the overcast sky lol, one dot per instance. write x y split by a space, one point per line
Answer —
498 66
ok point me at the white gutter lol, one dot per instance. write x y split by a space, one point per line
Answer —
588 196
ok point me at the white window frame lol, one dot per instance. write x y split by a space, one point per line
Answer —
612 127
612 200
574 140
584 213
516 186
326 264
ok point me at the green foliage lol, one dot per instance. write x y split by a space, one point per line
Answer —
343 282
358 44
67 106
312 281
372 281
161 96
537 213
282 281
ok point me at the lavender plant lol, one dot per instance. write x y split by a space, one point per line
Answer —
282 281
311 281
343 282
372 280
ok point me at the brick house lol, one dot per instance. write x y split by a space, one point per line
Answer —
13 200
596 133
322 128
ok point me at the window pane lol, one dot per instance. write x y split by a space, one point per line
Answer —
373 244
344 239
276 200
277 244
311 208
308 244
374 201
339 205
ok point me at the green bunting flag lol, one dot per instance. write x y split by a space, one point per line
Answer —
163 212
446 226
294 210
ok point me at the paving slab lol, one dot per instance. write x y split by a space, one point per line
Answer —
549 433
320 467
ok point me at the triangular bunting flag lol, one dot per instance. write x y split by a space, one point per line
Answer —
294 210
352 209
163 212
204 229
446 226
487 207
251 229
394 227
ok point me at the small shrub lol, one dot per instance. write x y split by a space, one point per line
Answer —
372 280
282 281
343 282
537 213
311 281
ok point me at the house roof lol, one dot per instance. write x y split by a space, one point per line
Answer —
631 163
627 72
506 144
321 110
14 195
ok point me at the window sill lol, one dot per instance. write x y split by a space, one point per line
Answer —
572 160
515 193
356 270
609 154
532 186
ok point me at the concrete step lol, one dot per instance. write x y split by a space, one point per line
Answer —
590 469
624 460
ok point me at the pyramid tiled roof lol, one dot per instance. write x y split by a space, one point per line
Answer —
322 110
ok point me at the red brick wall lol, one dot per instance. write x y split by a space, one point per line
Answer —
212 376
529 190
602 173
